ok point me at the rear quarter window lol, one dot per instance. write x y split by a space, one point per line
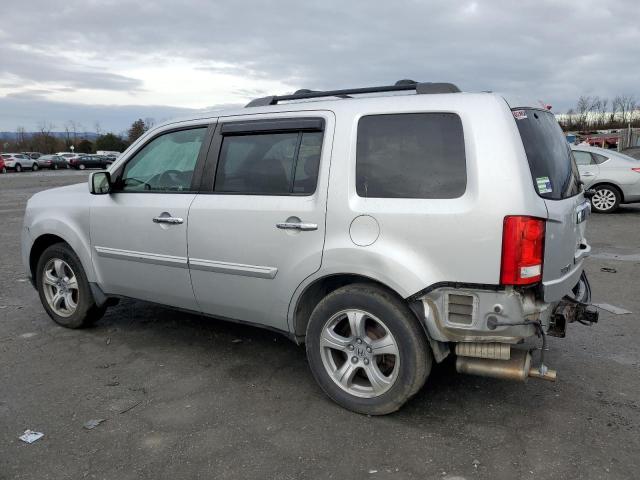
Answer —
412 155
553 169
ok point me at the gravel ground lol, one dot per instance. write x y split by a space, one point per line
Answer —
189 397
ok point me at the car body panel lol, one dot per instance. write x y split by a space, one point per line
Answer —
227 260
70 223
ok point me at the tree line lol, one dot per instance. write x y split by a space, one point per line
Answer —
596 113
46 139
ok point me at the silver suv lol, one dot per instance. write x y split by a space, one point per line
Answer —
385 227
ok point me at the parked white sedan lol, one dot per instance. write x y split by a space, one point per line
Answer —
615 177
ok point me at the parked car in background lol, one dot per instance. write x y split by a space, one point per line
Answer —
19 162
68 155
615 177
33 155
90 161
3 168
53 162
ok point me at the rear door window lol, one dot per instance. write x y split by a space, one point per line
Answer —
553 170
411 155
582 158
262 163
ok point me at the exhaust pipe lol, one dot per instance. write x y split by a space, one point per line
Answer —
517 368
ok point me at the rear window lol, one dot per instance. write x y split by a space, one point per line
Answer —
411 155
553 170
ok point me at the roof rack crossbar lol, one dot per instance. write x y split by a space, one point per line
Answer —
420 88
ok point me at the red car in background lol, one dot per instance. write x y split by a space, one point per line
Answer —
3 168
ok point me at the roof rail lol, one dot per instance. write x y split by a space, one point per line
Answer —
400 85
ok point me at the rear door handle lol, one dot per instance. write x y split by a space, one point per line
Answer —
305 227
169 220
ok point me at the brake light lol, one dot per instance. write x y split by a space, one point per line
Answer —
522 250
636 169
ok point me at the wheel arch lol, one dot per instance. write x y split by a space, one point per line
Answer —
54 231
313 292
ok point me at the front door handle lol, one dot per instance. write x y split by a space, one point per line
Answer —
169 220
305 227
588 174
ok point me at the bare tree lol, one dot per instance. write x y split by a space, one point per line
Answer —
97 128
44 140
624 105
602 107
584 107
21 138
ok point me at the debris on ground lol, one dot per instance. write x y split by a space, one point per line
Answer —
108 341
93 423
373 471
608 269
29 436
130 408
476 463
612 308
112 384
236 340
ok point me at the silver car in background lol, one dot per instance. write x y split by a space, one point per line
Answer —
613 176
19 162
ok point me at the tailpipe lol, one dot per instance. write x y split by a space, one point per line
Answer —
517 367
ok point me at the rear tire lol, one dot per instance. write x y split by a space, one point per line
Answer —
64 289
18 167
4 170
55 166
34 167
81 167
606 199
345 331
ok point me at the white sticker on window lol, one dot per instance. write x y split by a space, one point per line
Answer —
519 114
544 185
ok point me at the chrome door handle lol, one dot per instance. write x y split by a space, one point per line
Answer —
169 220
588 174
305 227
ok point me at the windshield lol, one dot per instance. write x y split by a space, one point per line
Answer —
553 169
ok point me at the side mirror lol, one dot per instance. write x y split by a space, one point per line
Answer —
100 183
589 193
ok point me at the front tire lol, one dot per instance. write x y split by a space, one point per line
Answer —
81 167
367 350
34 167
18 168
4 170
606 199
64 289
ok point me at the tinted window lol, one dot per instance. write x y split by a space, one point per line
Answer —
554 173
417 155
599 158
164 164
582 158
269 163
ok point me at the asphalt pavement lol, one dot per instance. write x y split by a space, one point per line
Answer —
184 396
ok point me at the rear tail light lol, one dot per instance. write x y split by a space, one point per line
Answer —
636 169
522 250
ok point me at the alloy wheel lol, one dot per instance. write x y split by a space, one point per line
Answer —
60 287
359 353
604 199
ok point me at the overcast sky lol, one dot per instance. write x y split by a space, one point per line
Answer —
111 62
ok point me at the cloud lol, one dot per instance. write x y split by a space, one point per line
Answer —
29 111
35 67
200 52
